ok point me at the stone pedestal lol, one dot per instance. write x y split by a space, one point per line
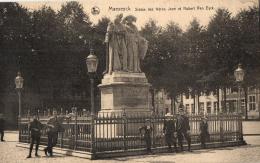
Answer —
124 91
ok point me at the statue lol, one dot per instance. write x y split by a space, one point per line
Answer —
125 47
136 45
117 52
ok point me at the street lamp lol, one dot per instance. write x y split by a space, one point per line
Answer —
92 63
239 75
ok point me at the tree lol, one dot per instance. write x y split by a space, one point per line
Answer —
222 46
194 54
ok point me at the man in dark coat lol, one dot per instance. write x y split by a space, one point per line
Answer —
146 131
204 133
169 132
2 127
35 135
183 128
54 126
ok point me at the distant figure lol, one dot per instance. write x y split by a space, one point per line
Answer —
35 135
2 127
169 132
183 128
204 133
146 132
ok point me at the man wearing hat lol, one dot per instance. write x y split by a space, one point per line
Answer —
183 128
204 133
147 131
168 131
54 125
35 134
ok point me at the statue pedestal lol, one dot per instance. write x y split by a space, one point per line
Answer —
124 91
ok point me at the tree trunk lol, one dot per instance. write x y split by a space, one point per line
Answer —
198 102
225 99
194 102
172 101
218 100
152 94
246 101
174 105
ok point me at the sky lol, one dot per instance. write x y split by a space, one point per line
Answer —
162 10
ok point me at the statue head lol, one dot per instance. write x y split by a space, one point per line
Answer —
118 18
129 19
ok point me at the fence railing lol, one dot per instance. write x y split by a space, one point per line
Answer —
119 132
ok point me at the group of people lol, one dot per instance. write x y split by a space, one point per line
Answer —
176 131
53 126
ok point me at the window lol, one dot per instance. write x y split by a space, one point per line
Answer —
215 107
209 107
187 108
187 96
242 105
193 109
252 104
201 108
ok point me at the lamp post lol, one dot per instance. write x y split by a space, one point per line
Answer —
239 75
19 87
92 63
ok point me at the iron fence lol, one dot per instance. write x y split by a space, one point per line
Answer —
119 131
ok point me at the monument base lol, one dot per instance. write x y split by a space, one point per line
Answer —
124 91
123 94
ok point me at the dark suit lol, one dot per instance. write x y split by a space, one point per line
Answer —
147 136
2 128
182 126
35 133
168 130
52 134
204 133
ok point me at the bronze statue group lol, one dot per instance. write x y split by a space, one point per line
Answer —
176 131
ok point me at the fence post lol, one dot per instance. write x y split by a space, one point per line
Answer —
241 138
28 131
153 129
125 129
220 118
93 149
75 128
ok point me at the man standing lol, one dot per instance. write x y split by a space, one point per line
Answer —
53 129
2 126
54 125
183 128
169 132
204 133
146 131
35 133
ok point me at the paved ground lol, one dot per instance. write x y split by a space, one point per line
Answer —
250 153
251 127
